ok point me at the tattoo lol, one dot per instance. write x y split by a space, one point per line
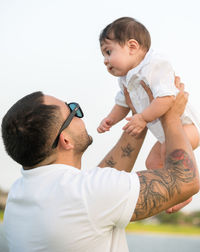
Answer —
160 186
110 162
126 151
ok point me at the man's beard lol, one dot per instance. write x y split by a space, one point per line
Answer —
82 141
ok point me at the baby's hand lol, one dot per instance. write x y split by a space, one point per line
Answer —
135 125
105 125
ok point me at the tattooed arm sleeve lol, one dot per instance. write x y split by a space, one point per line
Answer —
124 153
179 179
162 188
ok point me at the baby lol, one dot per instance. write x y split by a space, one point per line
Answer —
125 45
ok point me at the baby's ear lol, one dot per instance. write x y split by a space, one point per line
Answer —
133 44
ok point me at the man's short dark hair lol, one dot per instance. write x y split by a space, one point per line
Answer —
29 128
124 29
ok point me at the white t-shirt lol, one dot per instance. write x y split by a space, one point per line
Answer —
59 208
158 74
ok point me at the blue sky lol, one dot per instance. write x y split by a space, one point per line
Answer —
53 46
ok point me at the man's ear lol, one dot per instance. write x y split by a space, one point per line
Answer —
133 45
65 141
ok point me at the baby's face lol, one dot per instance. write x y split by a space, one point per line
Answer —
117 58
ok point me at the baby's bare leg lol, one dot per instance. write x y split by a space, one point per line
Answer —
192 135
155 159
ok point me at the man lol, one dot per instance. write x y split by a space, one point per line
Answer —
55 206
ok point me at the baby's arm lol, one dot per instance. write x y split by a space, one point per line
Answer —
117 114
158 107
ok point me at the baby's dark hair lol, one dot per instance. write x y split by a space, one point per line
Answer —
125 28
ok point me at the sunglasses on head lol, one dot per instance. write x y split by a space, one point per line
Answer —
75 110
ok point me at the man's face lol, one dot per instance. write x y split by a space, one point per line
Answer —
76 129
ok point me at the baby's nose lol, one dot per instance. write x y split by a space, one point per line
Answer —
106 61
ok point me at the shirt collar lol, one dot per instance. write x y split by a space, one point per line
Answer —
136 69
48 168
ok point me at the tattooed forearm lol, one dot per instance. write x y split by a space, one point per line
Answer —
180 166
110 162
126 151
180 157
160 186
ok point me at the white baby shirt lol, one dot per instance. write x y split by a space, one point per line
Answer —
158 74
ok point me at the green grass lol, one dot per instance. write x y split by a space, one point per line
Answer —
163 228
154 228
1 215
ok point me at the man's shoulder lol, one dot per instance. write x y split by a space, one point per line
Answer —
110 182
108 175
104 171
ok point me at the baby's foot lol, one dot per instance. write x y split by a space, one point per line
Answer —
177 207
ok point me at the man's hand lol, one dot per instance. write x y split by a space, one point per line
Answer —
135 125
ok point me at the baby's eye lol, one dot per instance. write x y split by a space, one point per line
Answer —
108 52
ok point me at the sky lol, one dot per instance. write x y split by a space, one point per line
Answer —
52 46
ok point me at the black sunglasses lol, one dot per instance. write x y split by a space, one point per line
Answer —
75 110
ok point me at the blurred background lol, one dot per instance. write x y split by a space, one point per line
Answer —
53 46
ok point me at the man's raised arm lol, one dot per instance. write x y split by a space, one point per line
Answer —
179 179
124 154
